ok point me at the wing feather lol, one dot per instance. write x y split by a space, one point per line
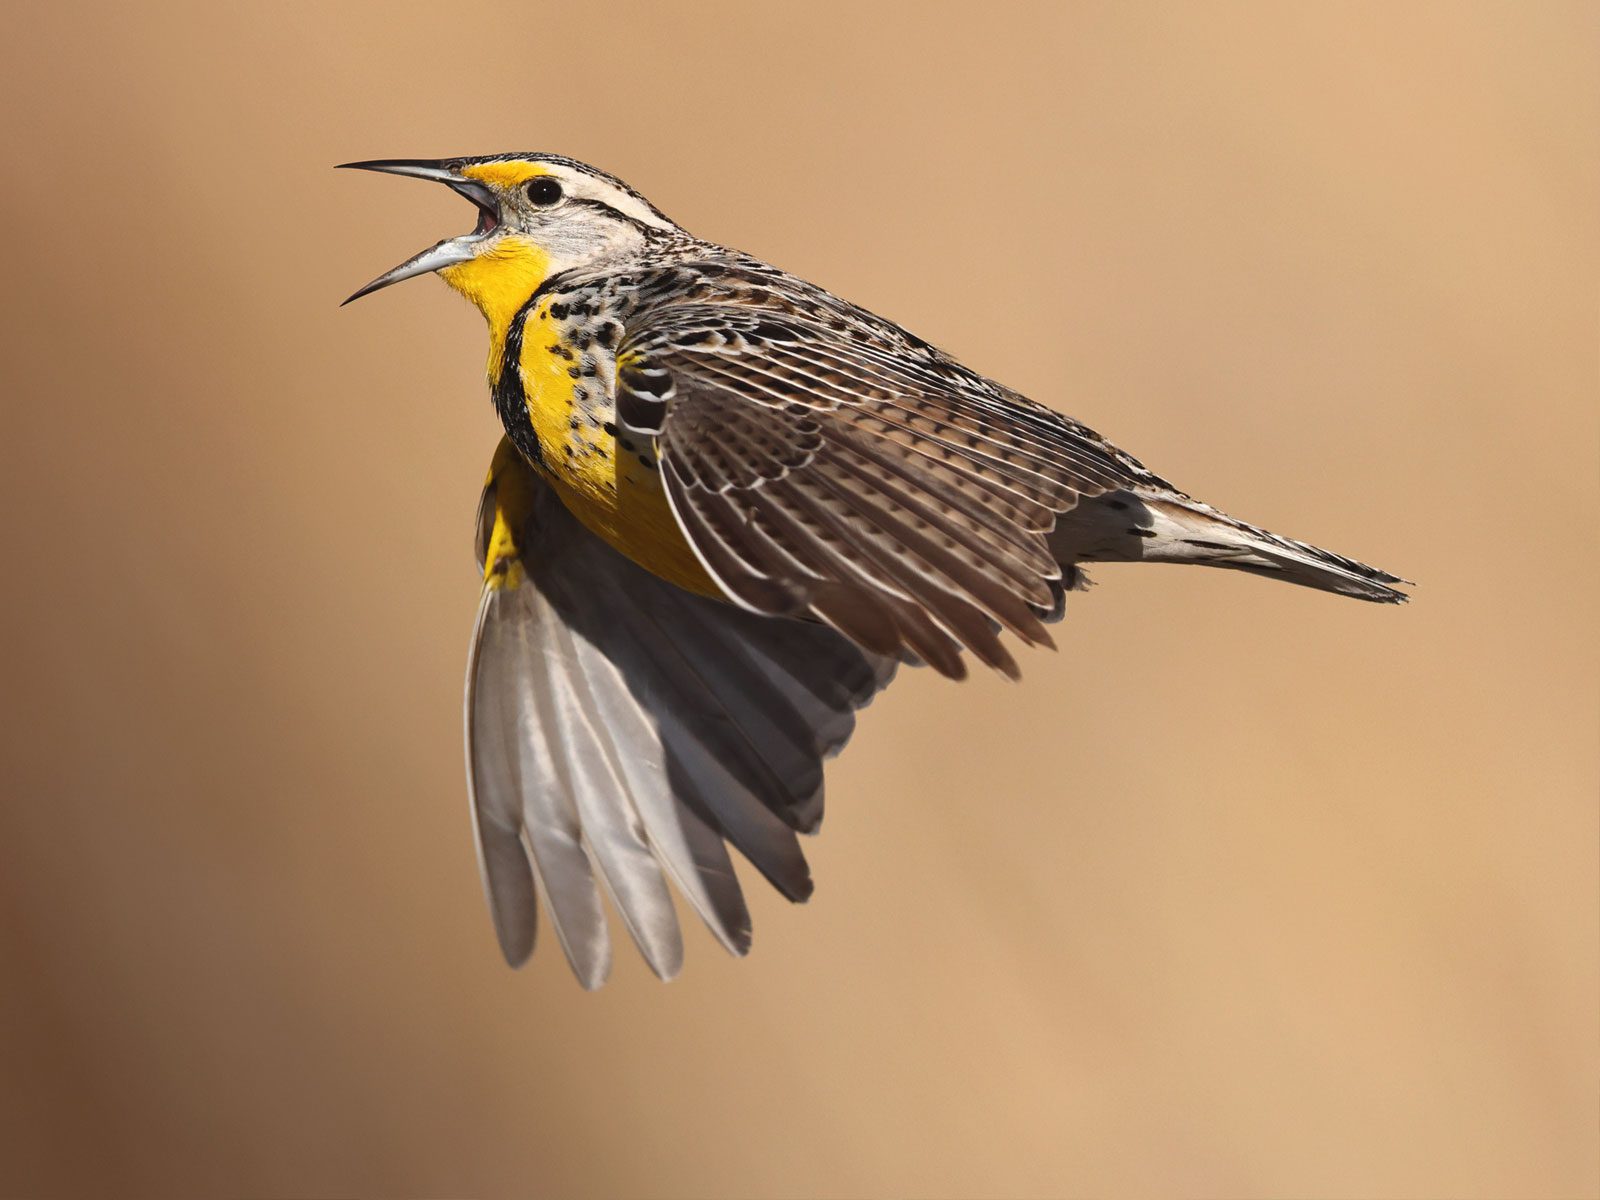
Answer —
864 603
520 783
622 732
823 461
602 752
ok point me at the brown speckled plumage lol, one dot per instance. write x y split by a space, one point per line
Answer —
843 496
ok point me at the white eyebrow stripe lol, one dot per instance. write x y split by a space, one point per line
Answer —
587 187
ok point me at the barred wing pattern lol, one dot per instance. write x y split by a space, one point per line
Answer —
824 462
621 731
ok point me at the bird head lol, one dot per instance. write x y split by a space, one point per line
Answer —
538 215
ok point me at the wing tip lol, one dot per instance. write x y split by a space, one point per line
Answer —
516 953
591 976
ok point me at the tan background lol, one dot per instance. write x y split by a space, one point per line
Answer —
1247 892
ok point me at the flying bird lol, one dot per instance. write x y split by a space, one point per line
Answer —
727 508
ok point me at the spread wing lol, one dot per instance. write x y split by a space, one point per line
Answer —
824 462
621 731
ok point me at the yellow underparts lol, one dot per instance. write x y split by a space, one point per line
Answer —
605 485
513 505
499 281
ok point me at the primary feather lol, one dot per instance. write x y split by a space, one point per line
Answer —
621 731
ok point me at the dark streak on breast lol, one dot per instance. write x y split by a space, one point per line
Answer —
510 400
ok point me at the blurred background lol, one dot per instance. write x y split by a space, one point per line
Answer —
1248 891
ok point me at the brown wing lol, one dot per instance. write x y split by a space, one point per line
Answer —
824 462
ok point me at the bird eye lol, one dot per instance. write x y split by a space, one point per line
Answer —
544 191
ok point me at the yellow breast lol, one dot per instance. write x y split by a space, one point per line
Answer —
609 482
602 481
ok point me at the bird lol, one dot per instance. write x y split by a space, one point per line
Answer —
727 509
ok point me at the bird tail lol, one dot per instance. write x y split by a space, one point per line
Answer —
1169 527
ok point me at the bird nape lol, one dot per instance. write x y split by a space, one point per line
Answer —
727 507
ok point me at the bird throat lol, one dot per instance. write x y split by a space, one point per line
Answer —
499 282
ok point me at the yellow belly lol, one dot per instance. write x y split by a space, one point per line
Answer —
603 482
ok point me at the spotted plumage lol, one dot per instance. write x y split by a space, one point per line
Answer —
729 504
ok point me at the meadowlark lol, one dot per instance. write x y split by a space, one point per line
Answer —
727 507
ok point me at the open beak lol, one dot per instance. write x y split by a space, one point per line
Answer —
447 253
